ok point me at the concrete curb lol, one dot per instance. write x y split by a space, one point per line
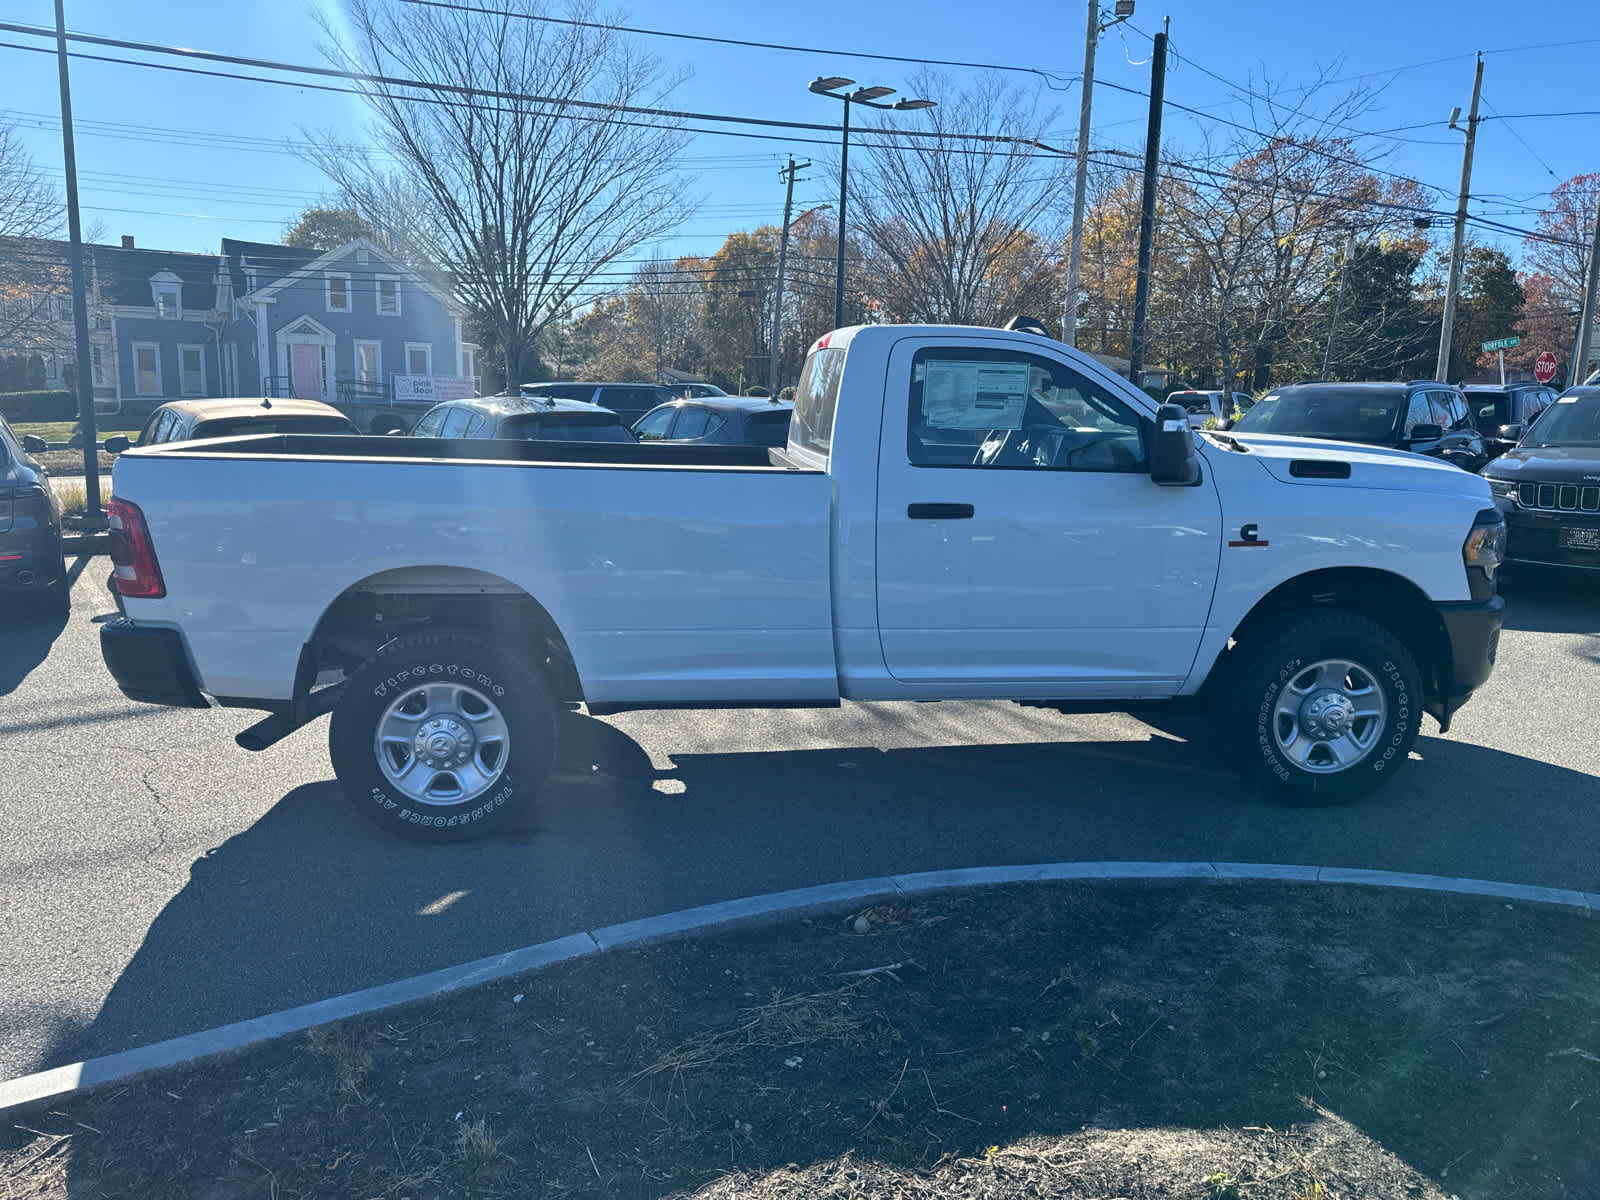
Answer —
61 1081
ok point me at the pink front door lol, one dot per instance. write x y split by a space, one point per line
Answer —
306 367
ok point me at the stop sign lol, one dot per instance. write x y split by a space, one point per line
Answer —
1544 367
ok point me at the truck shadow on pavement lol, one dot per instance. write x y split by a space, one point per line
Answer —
311 902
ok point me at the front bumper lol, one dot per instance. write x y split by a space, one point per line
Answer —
150 664
1535 536
1473 630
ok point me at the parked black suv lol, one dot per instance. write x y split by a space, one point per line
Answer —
1548 487
31 566
523 418
1504 413
1424 417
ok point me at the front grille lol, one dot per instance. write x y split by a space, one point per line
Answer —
1559 497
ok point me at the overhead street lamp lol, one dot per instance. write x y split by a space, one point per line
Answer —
832 86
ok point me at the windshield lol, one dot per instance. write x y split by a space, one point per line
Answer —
1570 421
574 427
1195 402
229 426
815 399
1342 414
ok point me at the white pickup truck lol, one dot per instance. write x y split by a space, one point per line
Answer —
958 513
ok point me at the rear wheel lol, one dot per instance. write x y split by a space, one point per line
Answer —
438 738
1327 705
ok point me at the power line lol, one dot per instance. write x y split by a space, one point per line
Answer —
1512 130
1050 77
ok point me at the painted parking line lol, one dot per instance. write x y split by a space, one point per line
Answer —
73 1077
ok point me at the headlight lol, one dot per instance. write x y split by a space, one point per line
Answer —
1503 489
1484 550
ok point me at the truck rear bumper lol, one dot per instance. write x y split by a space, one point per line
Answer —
150 664
1473 629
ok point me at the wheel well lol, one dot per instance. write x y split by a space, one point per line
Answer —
382 607
1382 597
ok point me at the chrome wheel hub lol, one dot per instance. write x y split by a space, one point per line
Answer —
442 743
1329 716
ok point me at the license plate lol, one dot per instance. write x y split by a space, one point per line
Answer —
1581 537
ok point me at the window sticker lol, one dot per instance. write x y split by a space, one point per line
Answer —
974 395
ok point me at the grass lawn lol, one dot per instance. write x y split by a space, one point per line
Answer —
60 431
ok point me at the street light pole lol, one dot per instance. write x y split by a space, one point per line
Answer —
830 85
838 265
94 517
1091 40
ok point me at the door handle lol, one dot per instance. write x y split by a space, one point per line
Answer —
939 512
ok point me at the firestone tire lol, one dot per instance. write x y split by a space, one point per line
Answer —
438 738
1329 705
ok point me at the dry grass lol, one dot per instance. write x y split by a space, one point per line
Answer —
477 1143
73 494
350 1059
782 1023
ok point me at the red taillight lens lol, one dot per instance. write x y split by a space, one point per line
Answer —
137 573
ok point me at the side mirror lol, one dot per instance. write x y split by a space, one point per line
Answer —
1172 457
1512 432
1224 424
34 444
116 445
1425 433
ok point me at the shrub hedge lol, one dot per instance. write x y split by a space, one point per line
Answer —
58 405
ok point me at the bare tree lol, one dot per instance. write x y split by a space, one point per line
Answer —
953 227
32 271
522 196
667 303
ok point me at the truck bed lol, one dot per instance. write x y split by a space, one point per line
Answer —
479 450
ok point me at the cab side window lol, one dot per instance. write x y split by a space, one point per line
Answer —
654 426
1460 416
455 423
1010 410
692 421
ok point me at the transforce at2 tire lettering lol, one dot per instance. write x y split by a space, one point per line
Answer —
438 738
1325 704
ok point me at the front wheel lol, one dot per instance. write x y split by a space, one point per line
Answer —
1329 705
438 738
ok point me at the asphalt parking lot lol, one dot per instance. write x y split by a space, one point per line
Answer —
158 880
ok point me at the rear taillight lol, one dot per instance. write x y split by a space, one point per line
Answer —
136 573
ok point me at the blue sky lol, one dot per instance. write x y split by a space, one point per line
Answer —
181 161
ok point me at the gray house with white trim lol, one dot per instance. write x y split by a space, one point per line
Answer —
262 319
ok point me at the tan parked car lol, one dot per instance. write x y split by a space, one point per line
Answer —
187 420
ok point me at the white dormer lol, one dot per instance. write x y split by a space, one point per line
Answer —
166 295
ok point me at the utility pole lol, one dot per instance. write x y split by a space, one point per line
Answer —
1338 300
1580 352
1147 213
787 174
1091 40
94 516
1458 244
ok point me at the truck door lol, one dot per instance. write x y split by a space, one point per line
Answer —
1022 547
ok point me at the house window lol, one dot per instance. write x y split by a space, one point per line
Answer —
388 296
469 363
52 369
419 358
146 369
361 256
192 370
369 362
63 308
167 306
97 366
338 293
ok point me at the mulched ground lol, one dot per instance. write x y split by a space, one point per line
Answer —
62 463
1072 1041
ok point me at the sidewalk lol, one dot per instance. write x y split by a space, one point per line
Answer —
1259 1040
